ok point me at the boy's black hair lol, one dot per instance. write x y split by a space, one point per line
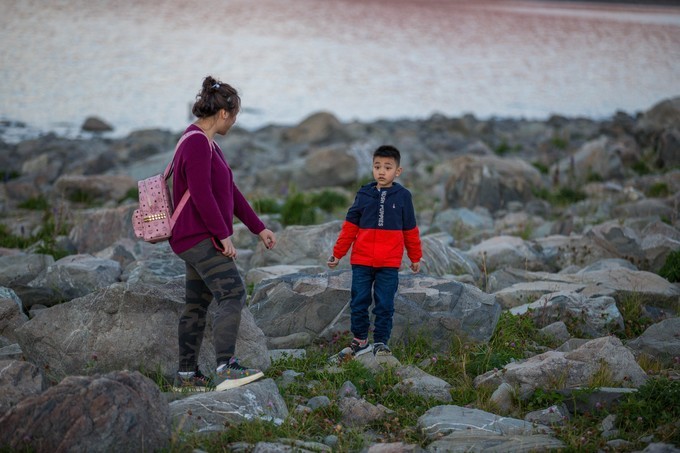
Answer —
388 151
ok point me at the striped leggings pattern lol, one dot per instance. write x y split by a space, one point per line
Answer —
209 275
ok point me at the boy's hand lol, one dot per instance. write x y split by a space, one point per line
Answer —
415 267
332 262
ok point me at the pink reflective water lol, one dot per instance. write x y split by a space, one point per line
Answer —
139 64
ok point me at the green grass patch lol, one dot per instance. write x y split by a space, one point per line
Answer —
658 190
45 238
671 268
297 210
543 168
38 203
563 196
266 206
131 194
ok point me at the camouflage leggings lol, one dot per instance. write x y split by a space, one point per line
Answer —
209 275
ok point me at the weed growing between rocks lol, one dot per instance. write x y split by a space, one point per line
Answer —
303 208
671 268
634 320
44 238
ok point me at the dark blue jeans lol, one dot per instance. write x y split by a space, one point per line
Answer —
369 284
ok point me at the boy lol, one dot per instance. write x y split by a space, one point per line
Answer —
378 226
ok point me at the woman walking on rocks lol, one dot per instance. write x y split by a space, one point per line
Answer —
202 238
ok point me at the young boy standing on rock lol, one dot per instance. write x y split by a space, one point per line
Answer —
379 225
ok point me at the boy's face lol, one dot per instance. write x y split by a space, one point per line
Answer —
385 170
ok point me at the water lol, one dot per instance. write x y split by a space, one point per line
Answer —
138 64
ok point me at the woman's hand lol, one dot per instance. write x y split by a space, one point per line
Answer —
415 267
229 249
268 239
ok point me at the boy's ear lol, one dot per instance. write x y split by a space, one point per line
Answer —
398 172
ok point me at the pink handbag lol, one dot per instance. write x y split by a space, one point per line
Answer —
155 218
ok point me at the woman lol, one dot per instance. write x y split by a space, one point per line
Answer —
202 238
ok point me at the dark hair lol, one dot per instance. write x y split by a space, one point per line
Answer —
388 151
215 96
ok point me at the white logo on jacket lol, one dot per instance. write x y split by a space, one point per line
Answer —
381 211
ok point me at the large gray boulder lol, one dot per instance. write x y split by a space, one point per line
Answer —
76 275
21 268
600 157
660 341
506 251
326 167
489 181
119 411
554 369
97 229
589 317
618 282
18 380
456 428
124 327
295 309
213 411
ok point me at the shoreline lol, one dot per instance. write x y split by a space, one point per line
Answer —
15 131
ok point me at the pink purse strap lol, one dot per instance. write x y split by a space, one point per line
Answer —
169 169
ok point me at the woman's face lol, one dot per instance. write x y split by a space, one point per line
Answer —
227 121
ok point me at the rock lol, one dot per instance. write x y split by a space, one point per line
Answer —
506 251
557 331
359 412
94 124
588 316
618 240
327 167
658 241
124 327
258 274
441 259
443 420
317 402
426 386
651 207
11 317
463 222
660 341
477 440
667 149
91 189
597 158
22 268
394 447
554 415
594 400
502 398
348 389
213 411
489 181
645 287
18 380
661 447
663 115
301 245
576 368
76 276
318 128
119 411
98 229
318 305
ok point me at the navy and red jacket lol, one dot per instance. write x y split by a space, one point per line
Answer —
378 226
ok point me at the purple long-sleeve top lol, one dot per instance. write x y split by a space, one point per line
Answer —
215 199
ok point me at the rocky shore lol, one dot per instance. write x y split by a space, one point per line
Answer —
566 221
